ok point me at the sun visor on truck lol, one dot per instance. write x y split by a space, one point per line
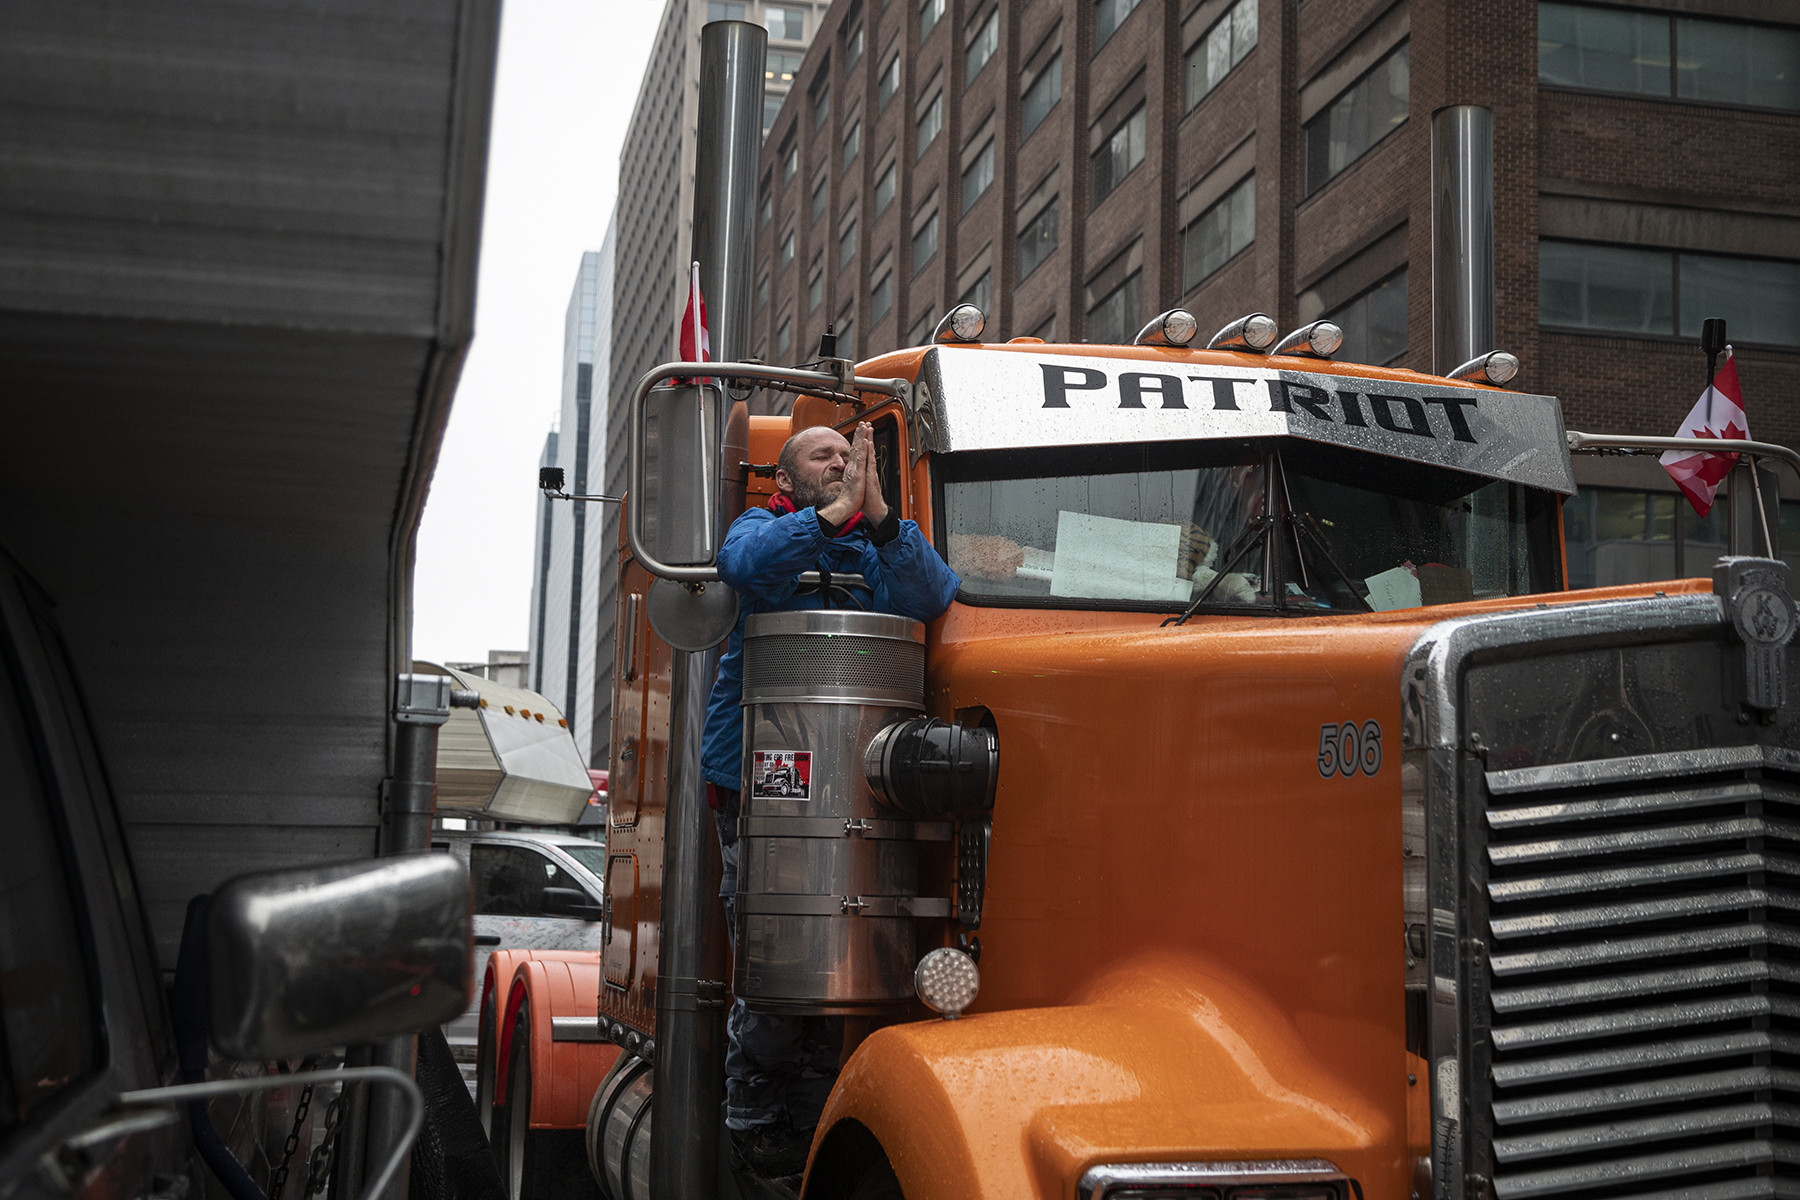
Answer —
509 759
971 399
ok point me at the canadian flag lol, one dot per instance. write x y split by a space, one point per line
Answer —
1719 413
696 346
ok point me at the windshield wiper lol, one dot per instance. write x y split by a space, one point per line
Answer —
1251 536
1306 523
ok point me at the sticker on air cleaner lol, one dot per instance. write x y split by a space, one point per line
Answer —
781 775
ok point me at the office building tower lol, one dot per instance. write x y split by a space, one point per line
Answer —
1075 167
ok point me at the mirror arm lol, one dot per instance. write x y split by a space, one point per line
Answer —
812 382
415 1103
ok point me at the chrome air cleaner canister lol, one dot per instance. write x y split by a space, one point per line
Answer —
827 882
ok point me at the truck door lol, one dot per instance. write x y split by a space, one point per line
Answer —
81 1006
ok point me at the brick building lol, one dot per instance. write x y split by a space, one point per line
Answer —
1075 167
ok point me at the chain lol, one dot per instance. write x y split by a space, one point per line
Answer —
324 1158
293 1144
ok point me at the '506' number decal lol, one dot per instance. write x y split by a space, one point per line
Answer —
1347 748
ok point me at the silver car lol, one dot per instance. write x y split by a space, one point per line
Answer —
533 891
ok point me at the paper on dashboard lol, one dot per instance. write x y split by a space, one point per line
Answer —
1105 558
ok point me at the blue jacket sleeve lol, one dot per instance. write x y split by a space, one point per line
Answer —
764 554
918 583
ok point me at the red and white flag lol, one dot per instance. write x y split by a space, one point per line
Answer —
1719 413
695 345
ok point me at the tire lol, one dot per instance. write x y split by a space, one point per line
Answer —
487 1049
535 1164
878 1183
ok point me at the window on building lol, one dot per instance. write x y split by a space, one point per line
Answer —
787 250
1047 330
771 110
922 328
1041 95
1618 536
925 243
815 289
1219 234
888 84
762 292
821 105
884 189
1119 155
853 47
1726 62
1220 49
929 125
767 210
1659 54
978 293
784 337
1374 323
978 177
852 143
930 13
724 12
818 200
881 296
1630 289
847 245
1037 240
1370 109
790 162
782 65
987 40
1108 16
1118 315
788 24
846 336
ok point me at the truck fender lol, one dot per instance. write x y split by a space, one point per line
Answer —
553 992
1164 1059
564 1075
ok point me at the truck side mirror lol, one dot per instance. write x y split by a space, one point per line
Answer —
306 959
675 492
569 902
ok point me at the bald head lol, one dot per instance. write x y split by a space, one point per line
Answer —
810 468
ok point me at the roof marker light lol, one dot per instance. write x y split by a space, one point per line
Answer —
1321 339
963 323
1173 328
1496 367
1255 332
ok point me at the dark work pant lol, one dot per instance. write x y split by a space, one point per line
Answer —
776 1067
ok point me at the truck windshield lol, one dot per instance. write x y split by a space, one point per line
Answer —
1291 527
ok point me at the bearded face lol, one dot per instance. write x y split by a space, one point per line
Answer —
817 476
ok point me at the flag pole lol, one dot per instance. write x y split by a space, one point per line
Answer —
1712 340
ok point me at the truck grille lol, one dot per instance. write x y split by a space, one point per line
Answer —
1642 920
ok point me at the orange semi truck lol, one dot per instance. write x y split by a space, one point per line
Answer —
1324 845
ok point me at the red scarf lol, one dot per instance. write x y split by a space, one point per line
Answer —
781 505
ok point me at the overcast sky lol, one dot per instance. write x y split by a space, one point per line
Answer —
568 76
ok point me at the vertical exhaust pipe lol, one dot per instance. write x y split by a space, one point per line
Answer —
689 1072
1462 235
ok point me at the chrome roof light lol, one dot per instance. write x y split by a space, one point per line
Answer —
1496 367
963 323
1321 339
1255 332
1174 328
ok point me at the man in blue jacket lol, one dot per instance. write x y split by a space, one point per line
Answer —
827 515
